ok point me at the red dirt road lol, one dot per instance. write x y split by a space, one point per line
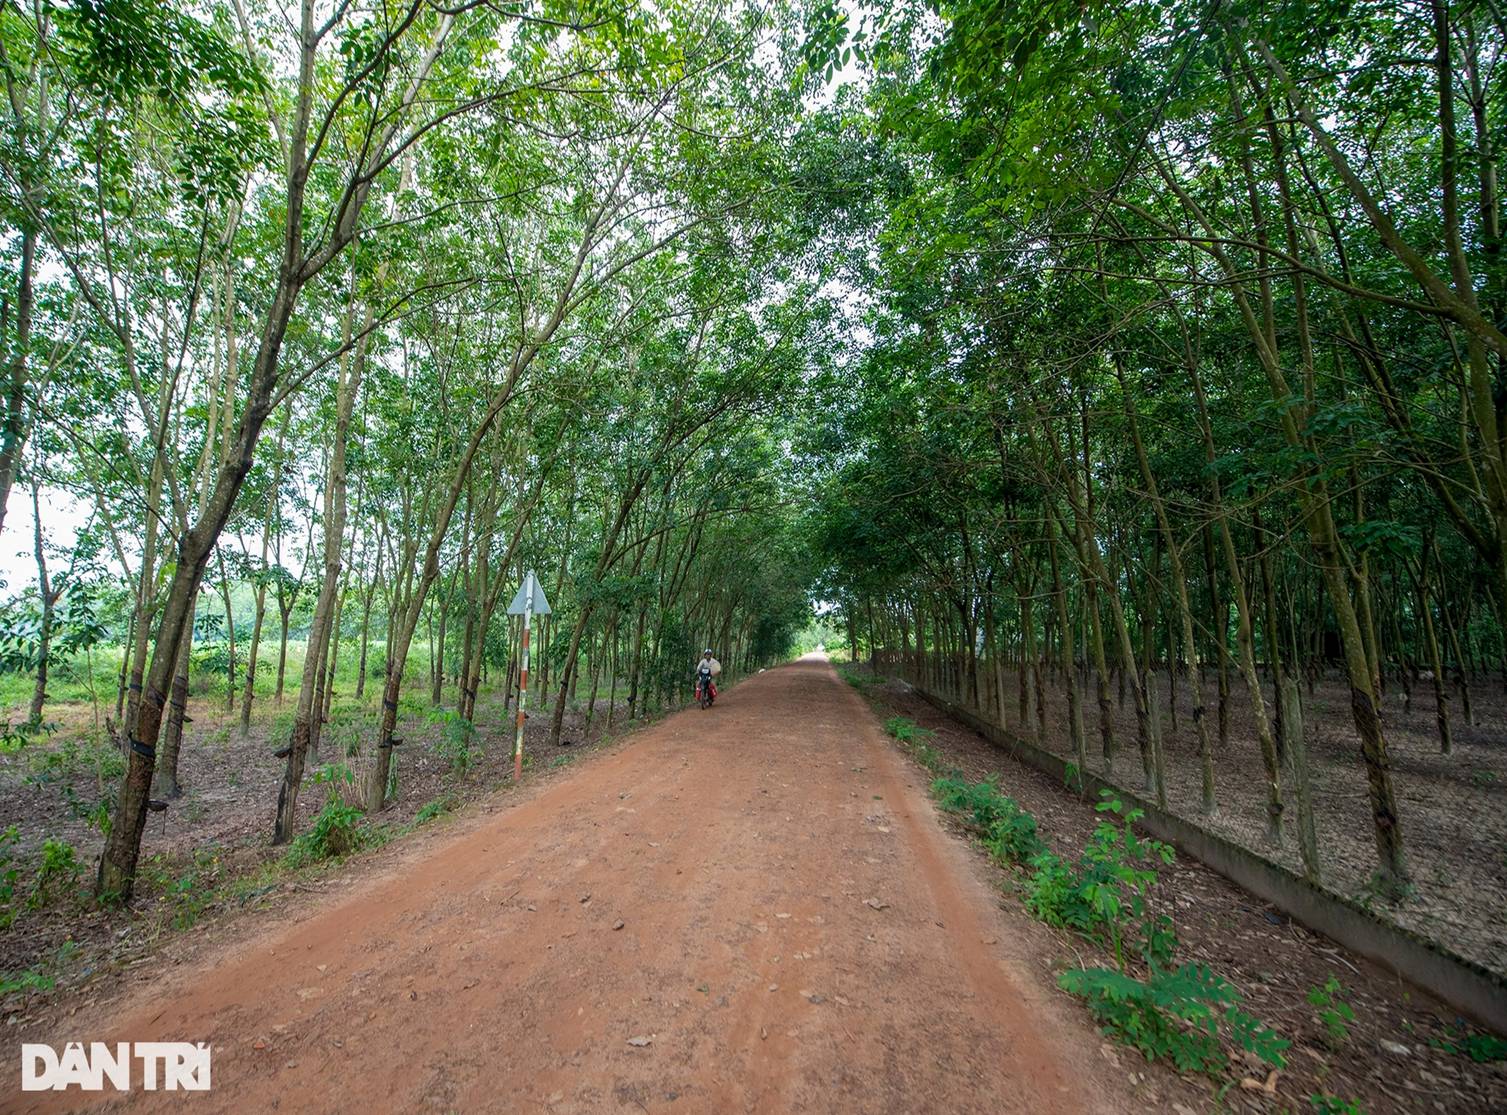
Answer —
744 850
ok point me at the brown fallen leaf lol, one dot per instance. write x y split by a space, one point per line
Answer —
1268 1086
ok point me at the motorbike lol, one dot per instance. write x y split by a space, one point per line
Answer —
706 689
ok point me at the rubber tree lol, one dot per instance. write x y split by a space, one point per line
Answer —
304 135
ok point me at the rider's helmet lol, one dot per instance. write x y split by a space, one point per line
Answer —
706 652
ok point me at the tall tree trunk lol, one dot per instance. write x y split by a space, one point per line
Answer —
13 428
310 700
47 598
165 779
1184 610
269 523
1069 673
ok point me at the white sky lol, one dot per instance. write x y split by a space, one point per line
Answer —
62 516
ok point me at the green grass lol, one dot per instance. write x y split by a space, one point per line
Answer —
69 682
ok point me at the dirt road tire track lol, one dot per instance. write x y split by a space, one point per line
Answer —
740 848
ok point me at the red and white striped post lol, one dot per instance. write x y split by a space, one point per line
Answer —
522 695
530 598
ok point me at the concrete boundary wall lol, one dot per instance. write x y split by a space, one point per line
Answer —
1470 988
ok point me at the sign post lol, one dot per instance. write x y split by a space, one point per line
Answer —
529 602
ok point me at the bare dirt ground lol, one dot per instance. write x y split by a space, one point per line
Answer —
752 908
1453 808
1393 1057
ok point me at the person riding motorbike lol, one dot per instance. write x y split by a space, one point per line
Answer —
707 669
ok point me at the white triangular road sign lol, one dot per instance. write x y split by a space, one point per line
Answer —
530 588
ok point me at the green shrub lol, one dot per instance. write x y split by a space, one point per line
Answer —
57 875
280 727
1175 1014
951 791
1009 832
857 680
336 831
74 758
1013 837
1480 1048
194 890
928 756
436 808
335 834
454 744
349 725
33 979
1054 892
1333 1013
906 730
1104 895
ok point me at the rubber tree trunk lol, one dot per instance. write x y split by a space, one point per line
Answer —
310 699
1065 631
165 782
248 690
1436 665
13 429
47 598
1297 762
1208 800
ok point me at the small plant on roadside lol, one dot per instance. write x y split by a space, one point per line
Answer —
1104 895
1480 1048
928 756
857 680
454 743
1333 1013
1325 1104
907 731
1176 1014
432 809
192 892
1008 831
336 831
32 979
44 976
57 875
335 834
1054 892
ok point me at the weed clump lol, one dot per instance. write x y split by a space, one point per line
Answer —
337 830
1008 831
1177 1014
1184 1013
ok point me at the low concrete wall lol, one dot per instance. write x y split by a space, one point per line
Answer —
1471 989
